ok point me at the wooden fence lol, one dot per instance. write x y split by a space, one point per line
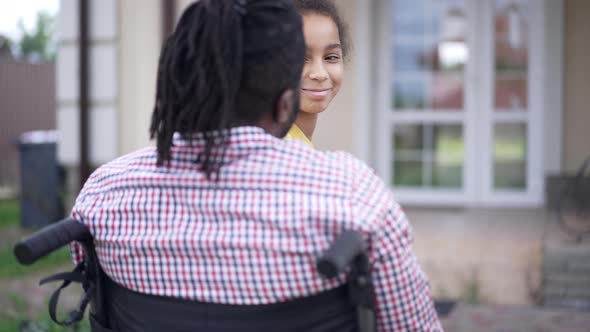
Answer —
27 102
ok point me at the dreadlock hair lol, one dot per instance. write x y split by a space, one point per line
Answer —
226 64
329 9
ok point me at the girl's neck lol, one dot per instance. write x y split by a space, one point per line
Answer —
306 122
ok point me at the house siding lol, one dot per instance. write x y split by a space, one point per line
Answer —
576 142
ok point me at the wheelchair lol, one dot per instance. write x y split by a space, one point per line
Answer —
113 308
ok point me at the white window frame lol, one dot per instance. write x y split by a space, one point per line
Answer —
543 146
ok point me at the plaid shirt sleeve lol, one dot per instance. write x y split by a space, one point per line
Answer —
79 214
77 252
403 299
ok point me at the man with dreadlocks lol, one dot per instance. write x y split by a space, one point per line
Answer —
224 211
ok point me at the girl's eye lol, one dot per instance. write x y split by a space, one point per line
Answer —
332 58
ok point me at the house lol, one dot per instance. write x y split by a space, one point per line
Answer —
464 107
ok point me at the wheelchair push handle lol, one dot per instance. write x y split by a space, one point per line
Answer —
50 238
347 247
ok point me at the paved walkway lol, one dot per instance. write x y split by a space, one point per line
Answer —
465 318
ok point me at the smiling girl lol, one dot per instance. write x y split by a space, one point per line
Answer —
326 40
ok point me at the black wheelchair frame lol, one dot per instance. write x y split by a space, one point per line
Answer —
347 254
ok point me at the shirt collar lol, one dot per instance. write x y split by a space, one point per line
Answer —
242 141
295 133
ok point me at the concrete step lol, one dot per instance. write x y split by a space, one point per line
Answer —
566 265
566 290
566 275
561 278
567 258
569 302
580 250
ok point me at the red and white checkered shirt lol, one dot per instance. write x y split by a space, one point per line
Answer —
253 236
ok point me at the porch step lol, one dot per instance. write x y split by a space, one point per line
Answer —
566 275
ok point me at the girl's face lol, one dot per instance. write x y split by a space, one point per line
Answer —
324 67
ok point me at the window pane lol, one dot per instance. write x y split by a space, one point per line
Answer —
449 154
510 150
447 92
409 153
407 173
428 155
409 8
448 144
429 55
447 176
409 26
440 91
511 54
412 59
409 138
411 18
409 95
511 93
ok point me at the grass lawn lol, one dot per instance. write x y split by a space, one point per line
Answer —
13 316
10 232
12 269
42 324
9 213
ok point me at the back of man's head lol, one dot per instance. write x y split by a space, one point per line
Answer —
226 64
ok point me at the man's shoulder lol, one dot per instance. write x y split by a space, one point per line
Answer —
337 163
146 156
118 167
346 161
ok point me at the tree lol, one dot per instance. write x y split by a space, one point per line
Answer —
38 45
6 46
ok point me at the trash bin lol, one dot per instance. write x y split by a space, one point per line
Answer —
40 199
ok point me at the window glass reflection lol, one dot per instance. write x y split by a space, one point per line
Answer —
428 155
511 55
510 156
429 55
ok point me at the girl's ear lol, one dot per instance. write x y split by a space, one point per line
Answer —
285 107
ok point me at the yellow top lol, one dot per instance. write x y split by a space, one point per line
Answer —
296 133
